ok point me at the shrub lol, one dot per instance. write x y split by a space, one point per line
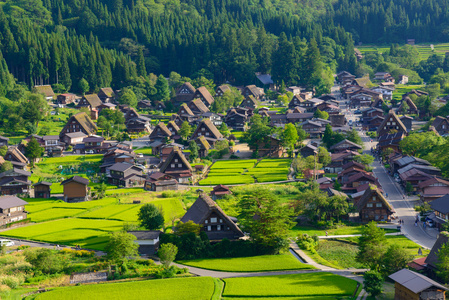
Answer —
23 247
11 281
307 242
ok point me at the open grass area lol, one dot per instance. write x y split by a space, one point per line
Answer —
341 230
339 253
88 233
247 171
144 150
410 246
193 288
249 264
297 285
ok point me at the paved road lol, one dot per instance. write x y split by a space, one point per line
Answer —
402 205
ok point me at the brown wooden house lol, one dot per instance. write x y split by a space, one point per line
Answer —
203 94
221 90
79 122
295 102
197 107
345 145
42 189
252 90
410 285
177 166
106 95
215 223
203 146
14 155
76 189
124 174
270 147
250 102
64 99
45 90
12 209
185 92
391 124
433 188
373 206
158 181
90 101
160 132
219 191
207 129
15 181
441 125
412 108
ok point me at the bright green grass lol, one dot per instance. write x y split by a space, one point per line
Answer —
402 89
108 211
308 284
193 288
69 231
234 179
341 230
54 213
71 159
124 191
339 253
410 246
238 134
424 49
144 151
249 264
234 164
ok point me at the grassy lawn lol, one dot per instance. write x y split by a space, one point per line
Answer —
402 89
339 253
238 134
269 170
193 288
341 230
249 264
308 284
89 233
410 246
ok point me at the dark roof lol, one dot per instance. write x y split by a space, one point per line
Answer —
396 119
438 120
85 122
76 179
441 204
202 208
93 139
120 167
432 181
13 150
265 79
43 183
415 282
187 109
208 123
146 234
11 201
76 134
206 94
46 90
107 91
199 105
345 141
432 258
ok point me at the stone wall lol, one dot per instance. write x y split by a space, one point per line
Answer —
88 277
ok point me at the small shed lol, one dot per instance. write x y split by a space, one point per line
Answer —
148 241
220 191
42 189
76 189
410 285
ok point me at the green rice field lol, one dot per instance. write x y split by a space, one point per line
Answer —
88 233
193 288
311 285
247 171
261 263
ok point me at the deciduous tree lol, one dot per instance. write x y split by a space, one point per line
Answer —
150 216
121 245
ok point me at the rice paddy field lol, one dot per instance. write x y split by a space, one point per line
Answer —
320 285
260 263
86 223
401 89
424 50
247 171
192 288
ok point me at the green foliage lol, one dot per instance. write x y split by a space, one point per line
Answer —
395 259
365 159
167 254
193 147
373 282
324 157
272 223
443 262
83 86
371 246
128 97
185 130
321 114
44 260
151 217
187 227
7 165
33 150
120 246
289 135
259 132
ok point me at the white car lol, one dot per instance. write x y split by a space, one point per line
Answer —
7 243
350 122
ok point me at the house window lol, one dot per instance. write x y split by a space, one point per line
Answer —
179 165
205 221
176 160
388 123
218 227
378 204
221 220
369 205
202 129
172 165
374 198
209 228
213 220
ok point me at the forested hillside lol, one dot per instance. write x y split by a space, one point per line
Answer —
63 41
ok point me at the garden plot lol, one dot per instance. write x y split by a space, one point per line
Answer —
296 285
269 170
192 288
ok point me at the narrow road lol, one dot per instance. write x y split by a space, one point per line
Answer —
401 204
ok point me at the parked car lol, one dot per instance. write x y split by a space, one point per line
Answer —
350 122
7 243
357 111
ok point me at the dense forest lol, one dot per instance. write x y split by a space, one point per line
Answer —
119 42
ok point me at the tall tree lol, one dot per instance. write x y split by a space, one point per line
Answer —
141 69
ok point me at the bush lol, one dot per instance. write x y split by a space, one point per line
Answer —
11 281
307 242
233 156
23 247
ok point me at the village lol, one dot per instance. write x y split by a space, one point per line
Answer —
348 146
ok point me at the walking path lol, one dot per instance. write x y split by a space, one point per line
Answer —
352 235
